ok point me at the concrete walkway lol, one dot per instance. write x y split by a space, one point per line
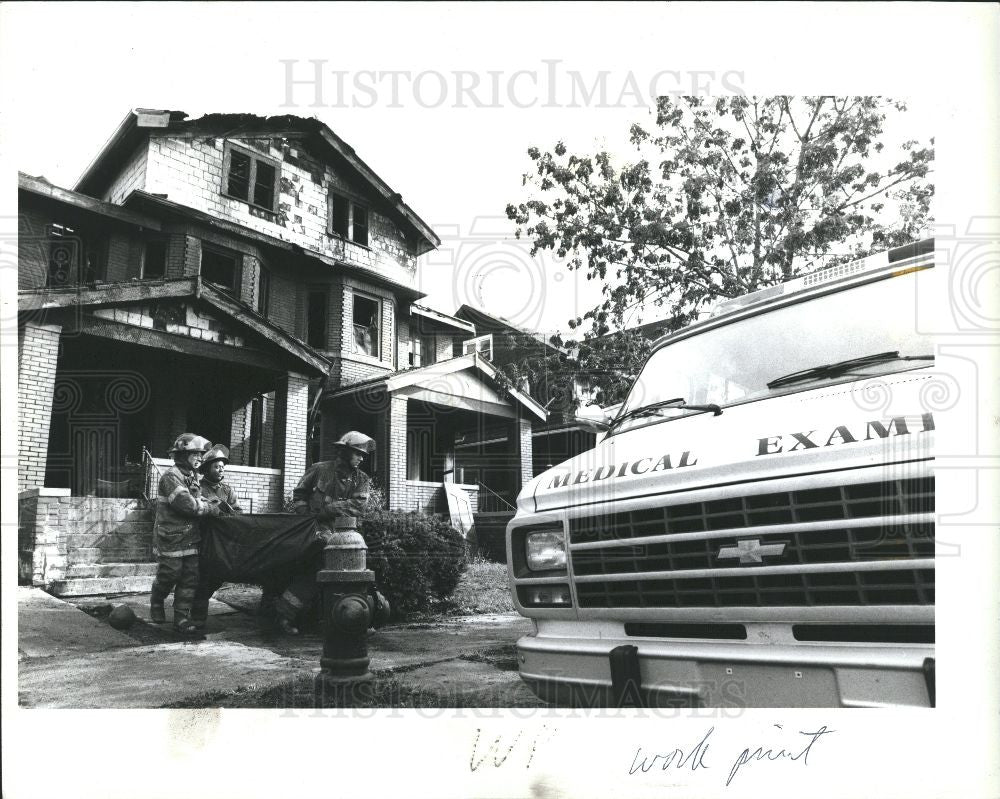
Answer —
68 658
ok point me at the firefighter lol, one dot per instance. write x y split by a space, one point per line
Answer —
213 487
219 493
328 489
176 536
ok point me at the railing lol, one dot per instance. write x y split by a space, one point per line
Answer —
491 502
150 475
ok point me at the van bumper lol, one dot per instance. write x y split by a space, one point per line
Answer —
578 672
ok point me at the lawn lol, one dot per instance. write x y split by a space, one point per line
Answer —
483 589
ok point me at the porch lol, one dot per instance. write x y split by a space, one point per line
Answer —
107 379
446 424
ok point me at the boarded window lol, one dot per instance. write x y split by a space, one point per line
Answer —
316 320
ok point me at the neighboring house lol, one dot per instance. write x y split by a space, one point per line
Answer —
563 434
249 279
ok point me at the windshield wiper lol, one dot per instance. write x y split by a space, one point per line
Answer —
649 410
842 367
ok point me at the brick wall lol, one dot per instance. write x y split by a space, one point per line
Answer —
523 430
282 307
394 472
291 415
259 490
189 171
192 323
36 376
132 177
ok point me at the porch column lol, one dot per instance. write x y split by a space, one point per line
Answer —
36 378
395 452
522 429
291 419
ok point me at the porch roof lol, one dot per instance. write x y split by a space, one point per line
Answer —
109 294
427 376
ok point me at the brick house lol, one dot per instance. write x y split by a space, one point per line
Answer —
249 279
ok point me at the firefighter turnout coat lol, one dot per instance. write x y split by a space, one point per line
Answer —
179 505
220 491
332 488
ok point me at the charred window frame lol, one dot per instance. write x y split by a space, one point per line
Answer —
154 259
75 256
222 268
264 292
251 177
367 325
348 219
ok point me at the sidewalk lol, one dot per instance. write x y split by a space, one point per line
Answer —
69 658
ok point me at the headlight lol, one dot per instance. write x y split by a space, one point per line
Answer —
546 550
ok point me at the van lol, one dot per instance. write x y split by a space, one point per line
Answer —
755 528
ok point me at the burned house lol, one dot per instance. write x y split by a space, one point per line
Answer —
254 281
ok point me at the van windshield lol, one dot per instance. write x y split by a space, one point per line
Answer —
735 363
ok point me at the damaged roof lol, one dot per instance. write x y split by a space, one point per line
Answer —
139 123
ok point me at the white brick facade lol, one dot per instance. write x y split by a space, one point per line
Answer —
36 378
189 170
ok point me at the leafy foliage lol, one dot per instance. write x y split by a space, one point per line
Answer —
417 559
727 197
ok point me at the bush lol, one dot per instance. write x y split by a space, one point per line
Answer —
417 559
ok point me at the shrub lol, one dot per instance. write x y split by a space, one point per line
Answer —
417 559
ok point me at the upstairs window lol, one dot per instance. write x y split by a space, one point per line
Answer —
221 268
251 177
154 259
64 247
366 326
348 219
481 344
316 319
75 256
422 351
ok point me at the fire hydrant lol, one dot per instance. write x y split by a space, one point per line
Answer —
348 607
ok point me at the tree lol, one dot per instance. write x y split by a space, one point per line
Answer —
727 197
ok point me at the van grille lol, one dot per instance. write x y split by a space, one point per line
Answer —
812 547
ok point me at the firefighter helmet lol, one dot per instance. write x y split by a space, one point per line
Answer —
219 452
359 442
189 442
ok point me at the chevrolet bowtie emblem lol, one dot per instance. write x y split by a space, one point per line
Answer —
751 550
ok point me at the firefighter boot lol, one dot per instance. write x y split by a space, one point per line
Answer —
186 628
156 613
